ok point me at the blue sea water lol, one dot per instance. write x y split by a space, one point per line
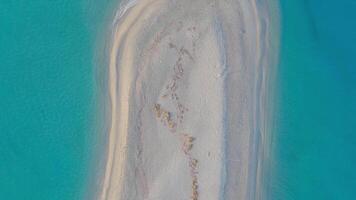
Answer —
49 96
314 136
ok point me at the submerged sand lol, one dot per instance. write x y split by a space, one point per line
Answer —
187 91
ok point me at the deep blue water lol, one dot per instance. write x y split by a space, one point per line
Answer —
49 97
314 139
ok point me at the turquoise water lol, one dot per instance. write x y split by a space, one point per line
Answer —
48 97
314 139
50 55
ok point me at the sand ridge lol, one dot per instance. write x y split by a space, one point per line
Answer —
183 78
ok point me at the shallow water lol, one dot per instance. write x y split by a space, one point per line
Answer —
48 96
49 99
314 140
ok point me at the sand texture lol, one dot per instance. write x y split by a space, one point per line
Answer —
187 91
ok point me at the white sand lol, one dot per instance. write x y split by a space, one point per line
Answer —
185 87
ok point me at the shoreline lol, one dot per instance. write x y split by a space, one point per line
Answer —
271 60
127 141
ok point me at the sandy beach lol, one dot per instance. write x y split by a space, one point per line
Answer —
187 88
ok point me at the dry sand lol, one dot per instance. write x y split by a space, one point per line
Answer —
187 89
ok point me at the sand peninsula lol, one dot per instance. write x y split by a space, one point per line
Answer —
187 89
